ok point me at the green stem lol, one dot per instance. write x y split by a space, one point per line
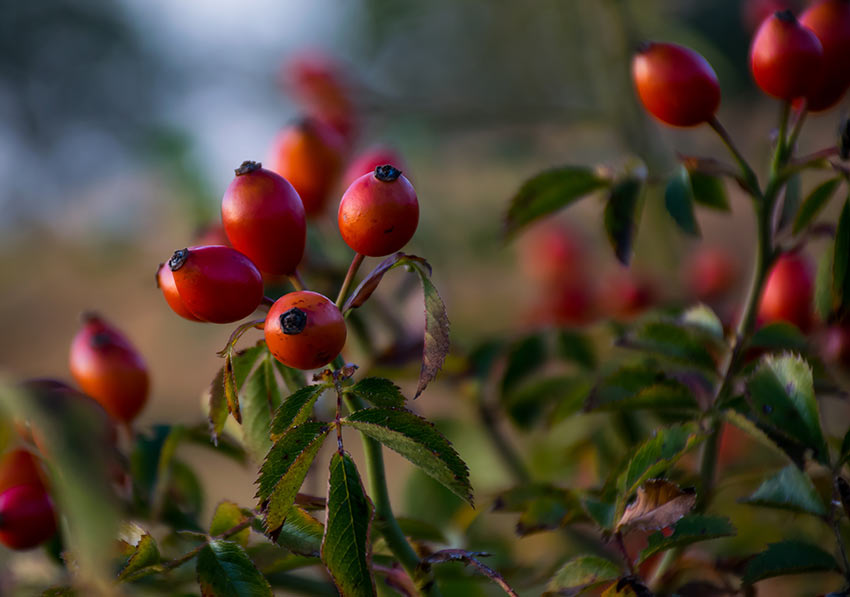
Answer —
747 172
349 279
172 564
511 459
380 495
798 126
296 281
781 147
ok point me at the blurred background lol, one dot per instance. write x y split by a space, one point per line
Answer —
121 124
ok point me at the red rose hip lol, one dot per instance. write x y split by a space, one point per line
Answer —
305 330
675 84
216 283
19 467
785 57
264 218
788 292
308 154
165 282
829 20
108 368
27 518
379 212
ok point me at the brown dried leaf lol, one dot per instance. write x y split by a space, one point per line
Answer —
658 504
365 289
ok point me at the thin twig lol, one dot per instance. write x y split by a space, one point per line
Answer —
349 279
172 564
297 281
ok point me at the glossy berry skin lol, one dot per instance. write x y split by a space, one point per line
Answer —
788 293
379 212
305 330
785 57
308 154
264 219
829 20
108 368
19 467
675 84
370 159
165 282
216 283
27 518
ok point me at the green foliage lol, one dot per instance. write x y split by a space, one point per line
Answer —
789 489
301 533
679 201
226 516
417 440
641 387
581 573
788 557
841 261
783 397
621 215
709 191
549 192
541 507
225 570
285 468
671 340
144 555
345 546
690 529
653 457
779 336
296 409
814 203
378 391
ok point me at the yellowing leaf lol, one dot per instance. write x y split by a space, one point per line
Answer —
659 504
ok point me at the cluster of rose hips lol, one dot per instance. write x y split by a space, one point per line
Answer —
114 382
805 61
555 259
264 216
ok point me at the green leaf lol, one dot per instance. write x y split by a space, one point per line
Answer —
218 406
814 203
671 340
779 335
225 570
635 387
525 357
260 398
753 430
293 378
378 391
790 200
437 343
417 440
549 192
345 546
296 409
600 511
841 260
782 392
704 319
285 468
541 507
690 529
534 400
845 448
679 201
227 515
709 191
581 573
789 489
145 553
823 286
621 216
301 533
237 367
576 347
653 457
788 557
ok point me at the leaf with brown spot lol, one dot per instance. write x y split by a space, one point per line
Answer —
365 289
658 504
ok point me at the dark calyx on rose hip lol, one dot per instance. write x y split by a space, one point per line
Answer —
387 173
178 259
247 167
293 321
